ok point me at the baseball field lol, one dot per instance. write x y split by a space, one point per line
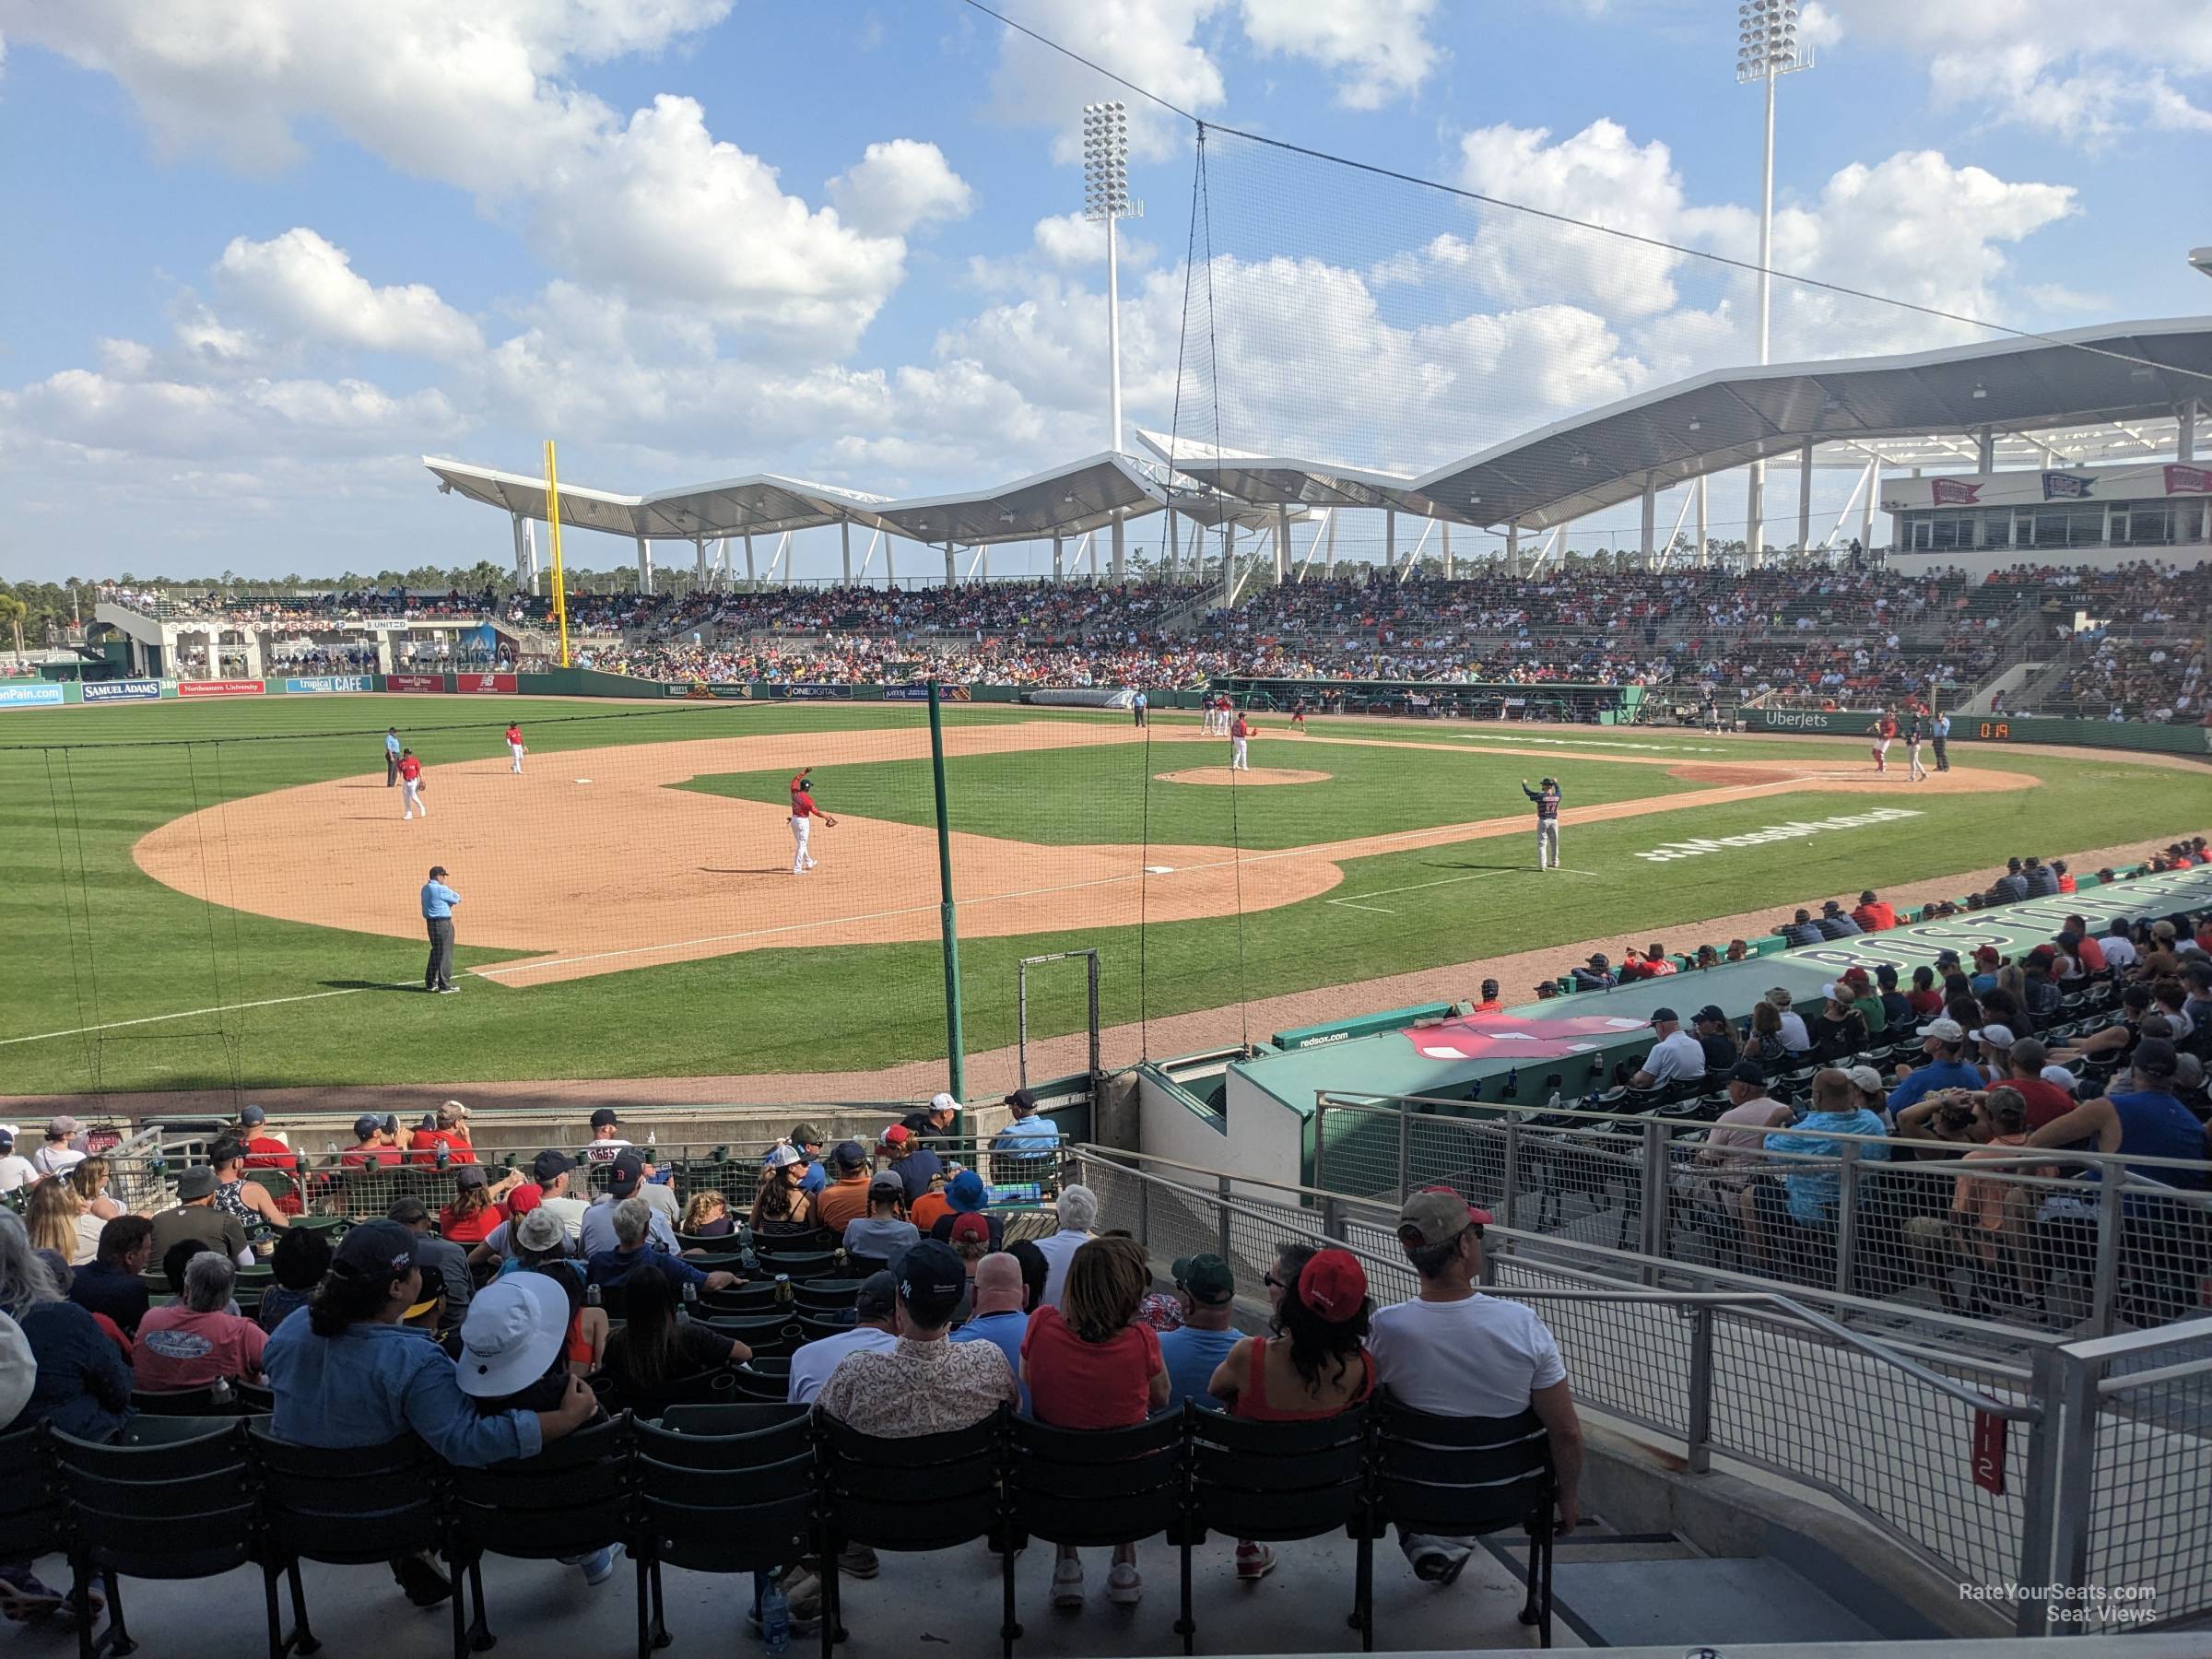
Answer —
225 896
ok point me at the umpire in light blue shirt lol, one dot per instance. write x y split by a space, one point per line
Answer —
391 756
438 901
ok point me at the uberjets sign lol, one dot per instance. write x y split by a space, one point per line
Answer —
1792 831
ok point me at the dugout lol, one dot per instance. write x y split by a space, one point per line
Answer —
1441 699
1265 1125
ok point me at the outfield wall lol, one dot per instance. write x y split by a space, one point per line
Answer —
1999 728
1453 698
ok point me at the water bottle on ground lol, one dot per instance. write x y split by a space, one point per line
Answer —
775 1619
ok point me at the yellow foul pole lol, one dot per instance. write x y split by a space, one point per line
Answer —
560 580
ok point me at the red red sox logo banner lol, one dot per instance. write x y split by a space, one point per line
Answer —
2188 480
1502 1037
1952 492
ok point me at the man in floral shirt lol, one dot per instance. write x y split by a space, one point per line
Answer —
925 1384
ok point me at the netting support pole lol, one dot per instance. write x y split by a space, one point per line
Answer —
1390 541
752 580
1874 488
1059 559
844 531
1120 568
1282 546
1174 548
1513 548
1704 549
1451 570
956 1058
644 566
1805 499
1328 552
698 561
1649 528
1229 562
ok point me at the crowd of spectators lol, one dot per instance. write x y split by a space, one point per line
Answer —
363 1342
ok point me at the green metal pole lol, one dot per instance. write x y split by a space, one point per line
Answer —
947 926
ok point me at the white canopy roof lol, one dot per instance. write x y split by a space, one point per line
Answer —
2093 395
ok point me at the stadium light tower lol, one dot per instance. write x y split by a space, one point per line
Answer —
1106 196
1767 49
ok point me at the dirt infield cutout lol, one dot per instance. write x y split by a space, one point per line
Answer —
633 872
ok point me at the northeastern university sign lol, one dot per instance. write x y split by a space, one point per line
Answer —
1792 831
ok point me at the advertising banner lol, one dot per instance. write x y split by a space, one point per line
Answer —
221 687
414 682
1956 492
2188 480
331 682
950 694
2067 487
30 694
123 691
699 691
483 682
811 693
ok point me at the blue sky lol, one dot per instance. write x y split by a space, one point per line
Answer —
265 254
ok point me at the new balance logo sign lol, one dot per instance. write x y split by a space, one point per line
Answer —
1792 831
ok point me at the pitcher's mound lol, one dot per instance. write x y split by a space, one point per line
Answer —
1258 774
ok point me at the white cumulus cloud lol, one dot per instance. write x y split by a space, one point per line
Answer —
300 282
897 186
1379 49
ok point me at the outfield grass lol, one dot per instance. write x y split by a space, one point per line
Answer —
1111 795
95 942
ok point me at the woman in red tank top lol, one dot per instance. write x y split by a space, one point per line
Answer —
1315 1366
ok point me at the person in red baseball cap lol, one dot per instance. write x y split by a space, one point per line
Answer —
1456 1352
1315 1366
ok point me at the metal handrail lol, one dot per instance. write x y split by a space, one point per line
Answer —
1502 1115
1537 1250
2026 1413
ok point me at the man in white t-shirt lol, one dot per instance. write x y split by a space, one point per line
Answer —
2119 950
14 1171
1674 1058
1458 1353
60 1154
1794 1037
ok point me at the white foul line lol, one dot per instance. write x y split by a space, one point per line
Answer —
1417 886
266 1002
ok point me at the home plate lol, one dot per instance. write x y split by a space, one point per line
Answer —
1160 869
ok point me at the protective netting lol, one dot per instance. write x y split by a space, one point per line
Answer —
243 909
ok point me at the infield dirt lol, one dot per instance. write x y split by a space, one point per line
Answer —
594 862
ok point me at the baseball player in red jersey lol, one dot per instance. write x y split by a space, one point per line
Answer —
514 743
1239 730
802 814
410 787
1885 734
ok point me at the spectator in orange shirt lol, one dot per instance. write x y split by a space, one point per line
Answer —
1873 915
846 1197
1489 1002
